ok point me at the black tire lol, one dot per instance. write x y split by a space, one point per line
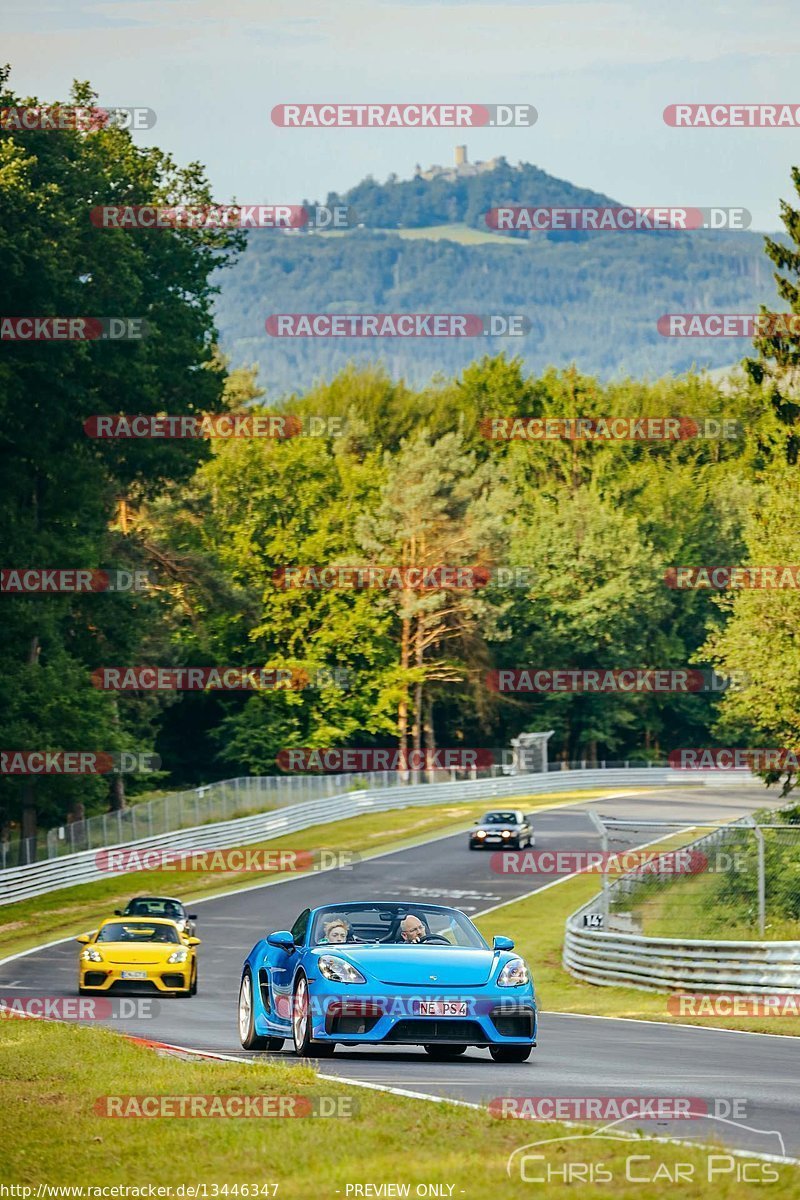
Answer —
246 1015
82 991
275 1043
304 1044
442 1051
193 985
510 1054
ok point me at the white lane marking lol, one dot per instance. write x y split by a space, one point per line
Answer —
683 1142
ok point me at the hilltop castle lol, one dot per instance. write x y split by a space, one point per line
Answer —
463 169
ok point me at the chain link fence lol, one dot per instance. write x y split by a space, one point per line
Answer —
230 798
733 882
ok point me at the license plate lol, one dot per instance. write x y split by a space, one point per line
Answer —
493 837
134 974
442 1008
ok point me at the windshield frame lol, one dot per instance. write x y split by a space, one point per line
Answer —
442 916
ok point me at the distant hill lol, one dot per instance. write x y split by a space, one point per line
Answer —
442 200
592 298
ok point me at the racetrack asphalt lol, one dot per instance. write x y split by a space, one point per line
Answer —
577 1056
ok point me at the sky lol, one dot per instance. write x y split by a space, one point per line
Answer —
599 74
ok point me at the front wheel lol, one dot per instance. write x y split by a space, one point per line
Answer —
247 1025
443 1051
193 986
510 1054
304 1044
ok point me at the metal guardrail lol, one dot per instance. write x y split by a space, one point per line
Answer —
614 959
23 883
225 799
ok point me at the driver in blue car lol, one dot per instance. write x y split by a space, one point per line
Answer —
412 929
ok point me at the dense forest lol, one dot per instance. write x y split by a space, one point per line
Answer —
405 475
593 303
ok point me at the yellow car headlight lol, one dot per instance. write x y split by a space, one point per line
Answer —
92 955
178 956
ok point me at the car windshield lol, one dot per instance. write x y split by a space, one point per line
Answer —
119 931
400 924
155 908
499 818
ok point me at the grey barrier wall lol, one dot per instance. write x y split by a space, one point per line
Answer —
616 959
22 883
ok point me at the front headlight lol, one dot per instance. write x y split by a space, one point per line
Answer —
481 833
178 956
514 974
506 833
92 955
338 970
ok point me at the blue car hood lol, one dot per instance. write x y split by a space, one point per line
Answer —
452 966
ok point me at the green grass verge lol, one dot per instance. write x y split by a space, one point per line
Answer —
465 235
537 926
52 1075
691 907
73 910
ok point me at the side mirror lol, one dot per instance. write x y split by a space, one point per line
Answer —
192 916
282 940
502 943
83 939
117 912
192 941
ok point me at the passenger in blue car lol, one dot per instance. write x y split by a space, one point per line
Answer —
335 930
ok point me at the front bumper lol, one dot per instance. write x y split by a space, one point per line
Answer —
492 1018
106 977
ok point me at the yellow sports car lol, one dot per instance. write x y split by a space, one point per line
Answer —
138 953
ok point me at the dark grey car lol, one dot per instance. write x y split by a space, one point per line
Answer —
502 828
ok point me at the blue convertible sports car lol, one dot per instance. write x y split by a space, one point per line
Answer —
387 974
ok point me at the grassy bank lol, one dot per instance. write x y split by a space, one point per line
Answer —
51 1077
